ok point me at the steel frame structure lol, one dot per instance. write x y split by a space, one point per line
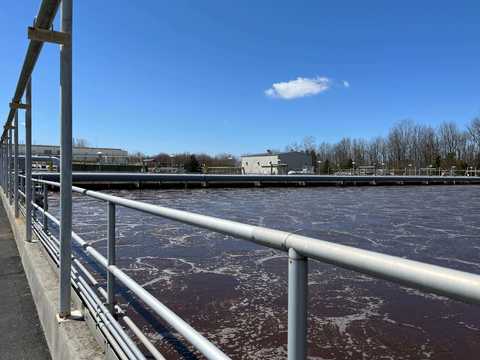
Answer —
101 303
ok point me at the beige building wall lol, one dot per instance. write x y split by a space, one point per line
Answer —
82 154
261 164
266 164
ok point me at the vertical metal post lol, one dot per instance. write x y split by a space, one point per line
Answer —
66 161
28 162
2 166
111 255
297 305
15 165
9 137
45 207
5 169
10 164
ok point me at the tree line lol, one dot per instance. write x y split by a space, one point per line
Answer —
407 144
194 162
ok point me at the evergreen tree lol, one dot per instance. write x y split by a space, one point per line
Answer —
192 165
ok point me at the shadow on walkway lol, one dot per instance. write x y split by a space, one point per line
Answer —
21 335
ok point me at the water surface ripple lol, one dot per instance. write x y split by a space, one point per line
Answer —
235 292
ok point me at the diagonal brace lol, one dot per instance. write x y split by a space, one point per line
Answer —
51 36
15 106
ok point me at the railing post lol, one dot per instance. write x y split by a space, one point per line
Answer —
15 165
28 162
66 161
2 165
111 255
45 207
297 305
10 165
9 154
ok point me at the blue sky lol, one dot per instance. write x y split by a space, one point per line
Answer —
172 76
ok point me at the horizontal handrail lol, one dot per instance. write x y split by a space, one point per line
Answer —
194 337
432 278
105 176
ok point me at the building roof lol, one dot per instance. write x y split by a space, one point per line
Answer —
273 153
76 147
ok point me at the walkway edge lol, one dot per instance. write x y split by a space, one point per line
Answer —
70 339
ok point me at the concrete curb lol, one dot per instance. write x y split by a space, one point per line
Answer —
67 340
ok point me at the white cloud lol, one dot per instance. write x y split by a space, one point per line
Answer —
301 87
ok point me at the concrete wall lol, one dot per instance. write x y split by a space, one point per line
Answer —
260 164
276 164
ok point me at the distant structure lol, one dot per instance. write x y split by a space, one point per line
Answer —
89 155
271 163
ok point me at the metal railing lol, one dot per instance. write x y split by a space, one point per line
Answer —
101 303
440 280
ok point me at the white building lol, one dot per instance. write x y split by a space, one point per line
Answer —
270 163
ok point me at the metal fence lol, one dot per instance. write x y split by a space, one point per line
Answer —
24 196
452 283
407 171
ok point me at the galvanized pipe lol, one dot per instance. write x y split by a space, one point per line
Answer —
108 177
5 172
1 165
54 251
15 165
444 281
66 161
9 155
106 317
91 305
453 283
2 147
45 207
4 167
28 162
130 347
188 332
111 256
143 339
196 339
138 333
297 305
10 165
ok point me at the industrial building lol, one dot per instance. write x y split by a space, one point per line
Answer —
271 163
81 154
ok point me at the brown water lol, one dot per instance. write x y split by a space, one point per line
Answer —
235 292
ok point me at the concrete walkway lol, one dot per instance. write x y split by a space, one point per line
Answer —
21 335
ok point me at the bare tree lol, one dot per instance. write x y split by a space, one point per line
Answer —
449 139
80 142
474 131
308 144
